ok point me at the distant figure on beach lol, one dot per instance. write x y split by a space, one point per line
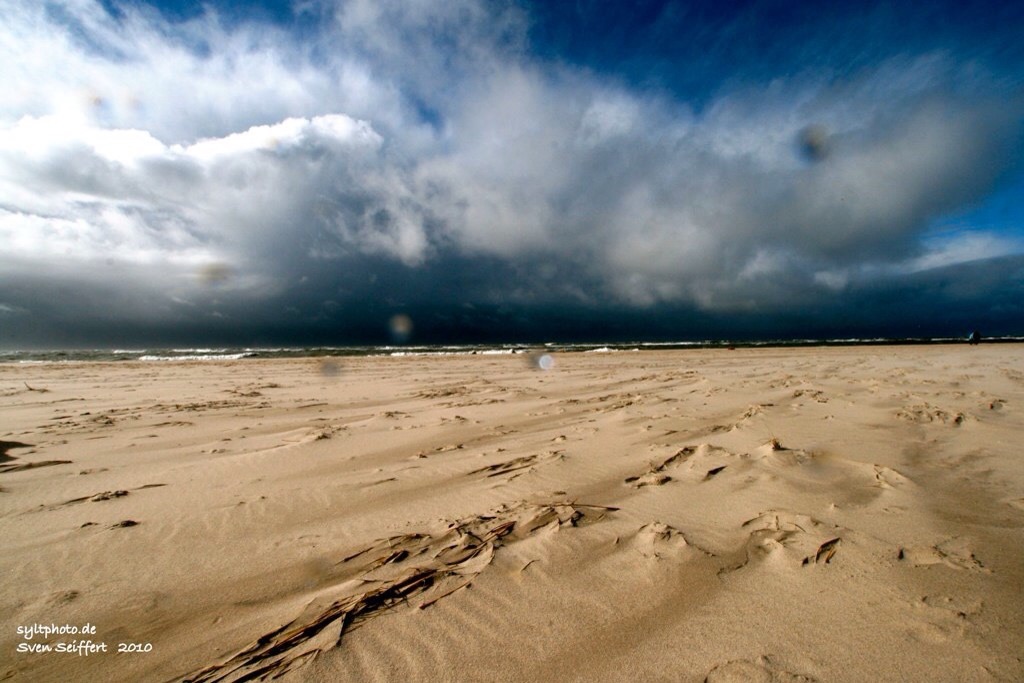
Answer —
974 337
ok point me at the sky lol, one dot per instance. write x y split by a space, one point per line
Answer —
299 172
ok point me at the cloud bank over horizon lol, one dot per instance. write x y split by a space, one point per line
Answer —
211 174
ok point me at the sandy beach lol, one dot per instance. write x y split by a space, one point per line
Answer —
807 514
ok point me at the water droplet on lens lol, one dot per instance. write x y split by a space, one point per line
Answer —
330 367
215 274
814 142
540 360
401 327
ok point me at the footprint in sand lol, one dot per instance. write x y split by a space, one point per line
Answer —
816 394
926 413
648 479
760 670
755 409
939 618
773 461
658 541
888 478
788 539
62 598
695 463
953 552
961 608
526 462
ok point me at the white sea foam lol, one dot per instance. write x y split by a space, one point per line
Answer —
210 356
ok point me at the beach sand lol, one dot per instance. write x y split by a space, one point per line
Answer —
805 514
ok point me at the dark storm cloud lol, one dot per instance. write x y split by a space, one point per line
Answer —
423 157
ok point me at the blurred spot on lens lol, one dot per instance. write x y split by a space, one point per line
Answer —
401 327
329 367
813 143
216 273
540 360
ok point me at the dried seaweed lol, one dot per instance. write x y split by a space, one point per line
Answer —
398 569
826 551
654 476
31 465
508 466
10 445
125 524
6 461
714 470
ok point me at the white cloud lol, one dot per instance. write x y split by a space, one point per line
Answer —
284 137
9 310
86 194
179 81
962 248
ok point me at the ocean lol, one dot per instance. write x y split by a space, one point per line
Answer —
242 353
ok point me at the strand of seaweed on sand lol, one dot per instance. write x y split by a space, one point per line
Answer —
402 568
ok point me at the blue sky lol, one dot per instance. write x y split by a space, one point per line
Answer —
301 171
